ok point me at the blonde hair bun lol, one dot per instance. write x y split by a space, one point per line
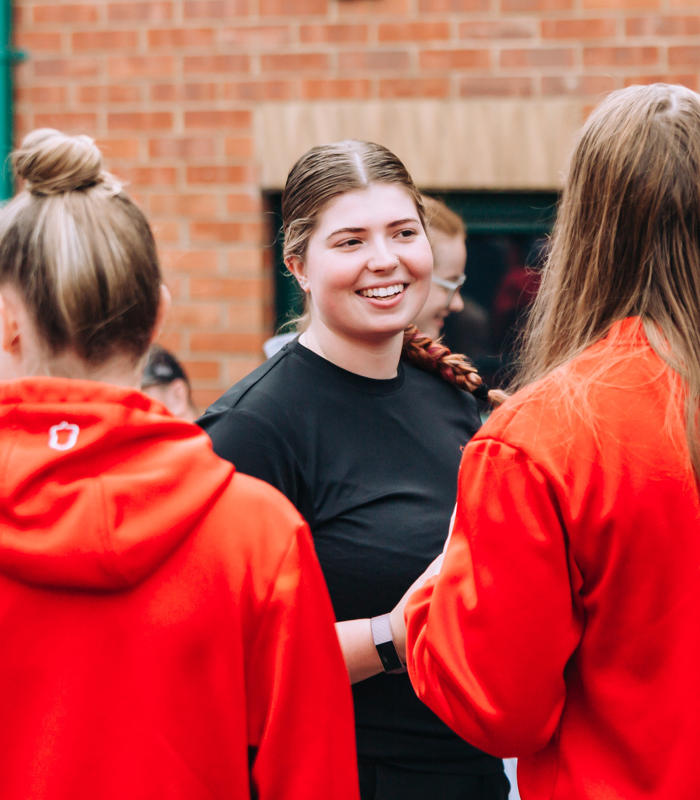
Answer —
51 162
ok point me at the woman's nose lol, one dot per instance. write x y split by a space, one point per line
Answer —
382 258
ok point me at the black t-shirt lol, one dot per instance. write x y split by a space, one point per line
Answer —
372 465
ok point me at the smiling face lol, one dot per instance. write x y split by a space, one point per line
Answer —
367 265
450 255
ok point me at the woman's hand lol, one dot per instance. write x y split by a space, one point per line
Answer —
398 624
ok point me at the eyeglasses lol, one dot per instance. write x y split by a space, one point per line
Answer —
452 286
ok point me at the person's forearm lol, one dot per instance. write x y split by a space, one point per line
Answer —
361 657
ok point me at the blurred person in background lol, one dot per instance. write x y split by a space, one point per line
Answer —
164 379
447 236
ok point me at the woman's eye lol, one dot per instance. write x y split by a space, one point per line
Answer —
407 233
349 243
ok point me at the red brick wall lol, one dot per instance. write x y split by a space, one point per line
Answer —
169 87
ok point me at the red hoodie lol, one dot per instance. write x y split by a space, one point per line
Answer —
165 627
565 624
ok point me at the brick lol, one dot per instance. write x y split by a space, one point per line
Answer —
226 342
166 231
657 25
414 87
157 11
197 315
226 63
294 62
218 119
578 84
492 86
293 8
181 37
579 28
370 60
684 56
72 67
244 203
183 148
141 67
120 149
216 9
244 316
171 339
226 232
71 13
537 5
256 36
140 120
99 41
374 8
227 288
93 95
220 173
67 121
623 5
336 88
149 176
334 34
200 262
499 29
184 92
239 147
36 41
245 261
260 90
540 57
454 59
413 31
202 370
620 56
184 204
458 6
45 95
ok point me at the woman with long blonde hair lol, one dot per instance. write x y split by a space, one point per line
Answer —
575 552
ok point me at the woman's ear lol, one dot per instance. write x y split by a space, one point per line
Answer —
9 325
296 266
163 307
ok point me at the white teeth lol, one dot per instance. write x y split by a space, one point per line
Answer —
382 291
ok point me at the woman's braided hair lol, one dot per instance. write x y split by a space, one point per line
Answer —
432 356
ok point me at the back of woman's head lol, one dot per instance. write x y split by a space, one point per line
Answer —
627 237
328 171
78 251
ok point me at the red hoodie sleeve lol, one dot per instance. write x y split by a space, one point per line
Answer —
301 726
488 640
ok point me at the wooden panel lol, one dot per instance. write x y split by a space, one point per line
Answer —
513 144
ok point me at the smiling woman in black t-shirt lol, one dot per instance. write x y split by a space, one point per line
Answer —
361 422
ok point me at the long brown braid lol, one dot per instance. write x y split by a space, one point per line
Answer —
433 356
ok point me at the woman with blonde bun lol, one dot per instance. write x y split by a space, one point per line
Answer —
563 626
361 423
158 608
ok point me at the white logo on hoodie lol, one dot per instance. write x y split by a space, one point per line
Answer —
70 436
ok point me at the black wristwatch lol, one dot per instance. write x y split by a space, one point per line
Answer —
384 642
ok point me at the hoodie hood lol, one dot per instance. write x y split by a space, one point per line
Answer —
98 484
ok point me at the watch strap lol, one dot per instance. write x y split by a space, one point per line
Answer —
384 642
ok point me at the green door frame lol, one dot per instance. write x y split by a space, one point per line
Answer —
8 57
